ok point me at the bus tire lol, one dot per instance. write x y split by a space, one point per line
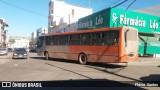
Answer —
46 56
82 59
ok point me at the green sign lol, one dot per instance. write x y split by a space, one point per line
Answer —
143 22
114 17
97 20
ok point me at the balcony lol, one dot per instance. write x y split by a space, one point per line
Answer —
51 12
3 33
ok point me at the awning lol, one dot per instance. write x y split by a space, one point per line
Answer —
141 47
149 44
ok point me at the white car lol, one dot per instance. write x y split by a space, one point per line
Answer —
3 51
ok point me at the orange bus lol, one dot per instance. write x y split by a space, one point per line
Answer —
104 45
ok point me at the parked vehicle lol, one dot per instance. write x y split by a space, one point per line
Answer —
3 51
27 50
10 50
20 53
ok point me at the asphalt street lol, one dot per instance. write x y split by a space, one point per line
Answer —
35 68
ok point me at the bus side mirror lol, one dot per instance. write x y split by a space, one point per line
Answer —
126 37
125 44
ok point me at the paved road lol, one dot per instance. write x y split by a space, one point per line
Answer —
37 69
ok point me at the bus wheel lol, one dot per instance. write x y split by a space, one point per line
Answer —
46 56
82 59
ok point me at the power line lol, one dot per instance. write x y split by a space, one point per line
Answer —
113 3
24 9
130 5
119 4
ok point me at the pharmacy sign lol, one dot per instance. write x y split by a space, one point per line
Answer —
143 22
114 17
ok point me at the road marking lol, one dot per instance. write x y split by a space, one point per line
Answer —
16 65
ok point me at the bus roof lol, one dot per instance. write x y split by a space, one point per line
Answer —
86 31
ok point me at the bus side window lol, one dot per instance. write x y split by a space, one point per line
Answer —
85 39
54 40
95 38
110 37
48 40
114 37
105 38
63 40
40 42
74 39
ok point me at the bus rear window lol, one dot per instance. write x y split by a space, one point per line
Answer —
131 35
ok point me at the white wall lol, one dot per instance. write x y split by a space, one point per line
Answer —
61 12
34 36
3 24
21 43
7 38
33 41
64 10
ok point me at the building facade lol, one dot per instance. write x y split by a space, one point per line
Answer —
152 11
33 41
41 31
21 43
62 14
3 33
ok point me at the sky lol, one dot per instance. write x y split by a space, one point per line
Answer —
26 16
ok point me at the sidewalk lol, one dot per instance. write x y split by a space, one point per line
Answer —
146 61
143 59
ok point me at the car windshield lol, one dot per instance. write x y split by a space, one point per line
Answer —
20 50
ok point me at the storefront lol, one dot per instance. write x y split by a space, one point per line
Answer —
147 25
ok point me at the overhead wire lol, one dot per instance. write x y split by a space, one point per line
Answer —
113 3
39 14
24 9
119 3
130 5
